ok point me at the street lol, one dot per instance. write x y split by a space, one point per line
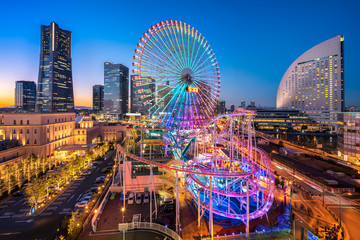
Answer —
15 225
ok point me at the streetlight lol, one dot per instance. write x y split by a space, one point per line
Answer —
123 212
294 226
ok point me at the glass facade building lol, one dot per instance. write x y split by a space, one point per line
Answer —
98 98
55 86
349 133
141 94
314 83
25 96
116 90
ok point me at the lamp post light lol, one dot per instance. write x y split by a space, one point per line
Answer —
294 230
123 214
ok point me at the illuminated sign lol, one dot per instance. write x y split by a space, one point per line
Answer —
192 89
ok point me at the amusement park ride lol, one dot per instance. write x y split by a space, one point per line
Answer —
228 178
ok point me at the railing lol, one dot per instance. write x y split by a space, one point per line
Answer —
151 226
275 234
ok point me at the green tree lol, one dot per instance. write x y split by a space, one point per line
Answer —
74 225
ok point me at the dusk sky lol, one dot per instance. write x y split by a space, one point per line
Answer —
254 41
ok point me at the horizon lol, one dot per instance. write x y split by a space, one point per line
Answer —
254 48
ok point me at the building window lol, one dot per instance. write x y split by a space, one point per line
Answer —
21 122
27 122
35 141
14 131
55 120
27 131
62 119
48 121
14 122
35 131
47 129
27 141
20 131
79 132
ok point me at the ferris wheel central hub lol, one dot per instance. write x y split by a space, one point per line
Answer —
187 76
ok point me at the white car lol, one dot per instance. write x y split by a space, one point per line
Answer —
146 197
138 198
81 204
131 198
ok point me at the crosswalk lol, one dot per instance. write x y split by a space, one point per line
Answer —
335 201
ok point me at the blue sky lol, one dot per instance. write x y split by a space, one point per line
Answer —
254 41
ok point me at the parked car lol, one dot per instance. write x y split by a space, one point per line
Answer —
167 208
146 197
167 201
100 180
19 194
80 178
138 198
94 189
131 198
105 170
81 204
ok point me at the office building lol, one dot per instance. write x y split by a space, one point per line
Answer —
272 121
164 96
349 134
314 83
98 98
55 86
243 104
232 108
25 96
116 84
220 107
142 91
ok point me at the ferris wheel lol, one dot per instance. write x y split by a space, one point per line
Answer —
176 75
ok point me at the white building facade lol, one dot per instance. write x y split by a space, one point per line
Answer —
314 83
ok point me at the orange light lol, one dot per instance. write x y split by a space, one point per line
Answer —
192 89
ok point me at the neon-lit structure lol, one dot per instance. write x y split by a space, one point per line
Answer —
228 178
185 73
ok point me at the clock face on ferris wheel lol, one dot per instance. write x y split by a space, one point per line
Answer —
176 75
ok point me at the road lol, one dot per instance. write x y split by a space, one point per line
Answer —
350 211
15 225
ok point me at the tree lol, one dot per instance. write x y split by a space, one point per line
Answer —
35 192
303 128
74 226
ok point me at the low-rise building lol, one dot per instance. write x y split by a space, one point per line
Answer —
349 134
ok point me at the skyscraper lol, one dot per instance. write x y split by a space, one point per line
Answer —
55 87
141 94
98 97
242 104
25 96
314 83
116 90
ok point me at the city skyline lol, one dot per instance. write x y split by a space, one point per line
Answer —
251 41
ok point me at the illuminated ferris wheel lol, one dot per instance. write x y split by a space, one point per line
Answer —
176 75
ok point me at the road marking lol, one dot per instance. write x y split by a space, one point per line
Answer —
46 214
9 233
4 206
18 215
61 198
25 210
27 221
51 208
70 198
10 201
56 203
65 194
4 216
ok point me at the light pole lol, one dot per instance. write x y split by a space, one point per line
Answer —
294 226
123 214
